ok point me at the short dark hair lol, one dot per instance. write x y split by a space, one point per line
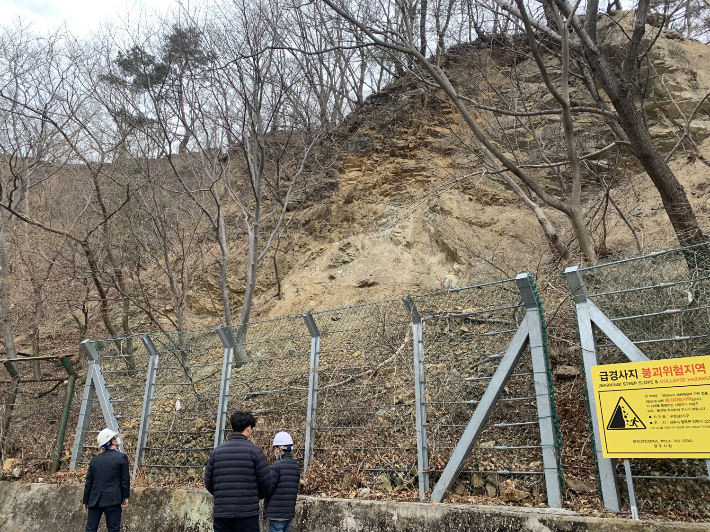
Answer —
240 420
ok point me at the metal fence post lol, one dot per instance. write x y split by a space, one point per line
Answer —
10 399
632 492
419 399
82 425
94 386
548 432
57 456
607 471
150 379
312 389
223 405
101 391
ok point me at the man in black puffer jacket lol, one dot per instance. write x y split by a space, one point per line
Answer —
238 475
280 503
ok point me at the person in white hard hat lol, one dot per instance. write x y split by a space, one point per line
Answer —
280 503
108 484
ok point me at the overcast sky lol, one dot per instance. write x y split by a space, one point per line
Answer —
81 16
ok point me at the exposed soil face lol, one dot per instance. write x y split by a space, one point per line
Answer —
415 208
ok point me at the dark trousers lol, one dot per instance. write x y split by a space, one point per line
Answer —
241 524
279 526
113 518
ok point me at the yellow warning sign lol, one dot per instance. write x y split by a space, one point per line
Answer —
654 409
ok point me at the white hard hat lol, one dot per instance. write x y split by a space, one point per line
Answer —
282 438
105 436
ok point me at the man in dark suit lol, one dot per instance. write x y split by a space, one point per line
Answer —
108 484
238 475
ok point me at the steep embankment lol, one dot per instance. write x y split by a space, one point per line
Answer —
415 210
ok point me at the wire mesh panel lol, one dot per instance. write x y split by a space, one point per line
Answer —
184 410
466 332
270 378
661 302
35 399
124 362
365 426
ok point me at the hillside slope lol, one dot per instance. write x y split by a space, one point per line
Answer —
413 209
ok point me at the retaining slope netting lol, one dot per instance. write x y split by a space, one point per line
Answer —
124 363
465 333
365 423
184 411
270 378
661 302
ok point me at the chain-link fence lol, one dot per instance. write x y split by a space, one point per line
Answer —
124 362
342 382
661 302
184 407
365 421
270 378
466 333
36 392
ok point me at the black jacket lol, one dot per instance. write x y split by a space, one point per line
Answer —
107 481
237 474
280 502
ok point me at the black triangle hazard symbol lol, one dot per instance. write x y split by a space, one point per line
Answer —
624 417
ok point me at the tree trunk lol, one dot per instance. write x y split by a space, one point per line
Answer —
422 28
5 326
182 148
103 298
241 334
576 214
673 195
125 308
37 290
6 329
224 257
251 271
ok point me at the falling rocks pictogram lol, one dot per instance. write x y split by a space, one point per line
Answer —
624 417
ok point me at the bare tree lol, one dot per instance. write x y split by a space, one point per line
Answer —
272 139
91 142
432 73
624 87
169 236
30 153
141 103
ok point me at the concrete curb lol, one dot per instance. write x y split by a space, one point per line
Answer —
52 508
